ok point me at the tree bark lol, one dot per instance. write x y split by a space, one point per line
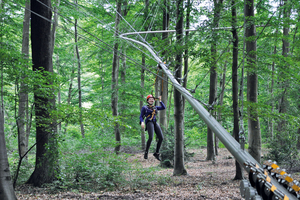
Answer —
213 77
235 95
179 168
114 81
23 135
165 91
222 86
284 85
271 126
143 137
53 34
252 83
6 186
186 51
71 86
46 148
163 118
79 79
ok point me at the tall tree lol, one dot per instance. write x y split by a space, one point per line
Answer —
46 148
6 186
115 75
79 77
23 135
186 51
221 99
235 95
143 137
179 168
284 81
164 81
254 133
213 76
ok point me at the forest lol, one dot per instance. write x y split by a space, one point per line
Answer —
72 90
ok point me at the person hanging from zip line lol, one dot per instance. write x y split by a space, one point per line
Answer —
149 112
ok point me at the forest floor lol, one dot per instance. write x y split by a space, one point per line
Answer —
205 180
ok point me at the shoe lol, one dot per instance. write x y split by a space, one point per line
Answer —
156 155
146 155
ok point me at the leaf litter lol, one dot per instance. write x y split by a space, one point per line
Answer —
205 180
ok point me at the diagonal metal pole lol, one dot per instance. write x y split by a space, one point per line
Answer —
230 143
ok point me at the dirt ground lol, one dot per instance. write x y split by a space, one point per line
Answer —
205 180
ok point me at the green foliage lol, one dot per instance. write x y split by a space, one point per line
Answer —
283 148
196 137
167 151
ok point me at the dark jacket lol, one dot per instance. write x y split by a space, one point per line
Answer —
150 112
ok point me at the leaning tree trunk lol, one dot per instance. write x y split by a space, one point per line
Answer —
235 95
114 81
179 168
23 95
46 148
254 139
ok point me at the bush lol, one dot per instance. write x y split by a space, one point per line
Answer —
167 152
283 150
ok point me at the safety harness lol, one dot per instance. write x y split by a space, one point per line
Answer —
153 108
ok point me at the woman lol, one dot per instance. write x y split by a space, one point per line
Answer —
150 112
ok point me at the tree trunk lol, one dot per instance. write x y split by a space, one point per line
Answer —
79 79
222 86
23 135
271 126
163 118
46 148
143 137
284 85
6 186
123 67
186 51
71 86
213 77
252 83
114 81
235 95
179 168
53 33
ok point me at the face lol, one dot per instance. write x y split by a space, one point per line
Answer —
151 100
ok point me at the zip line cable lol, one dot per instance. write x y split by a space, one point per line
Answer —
70 21
101 40
247 54
136 62
97 37
95 43
131 27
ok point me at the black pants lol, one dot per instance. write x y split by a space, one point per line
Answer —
151 127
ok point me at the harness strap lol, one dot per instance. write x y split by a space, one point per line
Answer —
153 113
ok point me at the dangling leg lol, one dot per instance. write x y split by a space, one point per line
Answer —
160 137
150 128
